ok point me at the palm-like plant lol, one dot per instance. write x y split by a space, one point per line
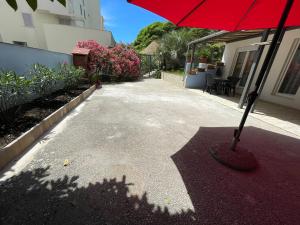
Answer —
173 47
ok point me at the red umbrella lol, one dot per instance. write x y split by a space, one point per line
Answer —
228 15
232 15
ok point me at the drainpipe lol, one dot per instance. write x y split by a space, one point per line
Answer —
260 51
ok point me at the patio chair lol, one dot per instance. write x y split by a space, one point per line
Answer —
230 86
210 83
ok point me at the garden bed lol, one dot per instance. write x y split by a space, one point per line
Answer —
30 114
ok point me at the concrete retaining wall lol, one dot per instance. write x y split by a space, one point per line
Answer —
20 59
173 78
18 146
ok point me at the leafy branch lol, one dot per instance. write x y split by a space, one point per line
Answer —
32 3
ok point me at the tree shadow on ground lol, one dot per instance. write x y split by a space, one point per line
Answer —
29 198
269 195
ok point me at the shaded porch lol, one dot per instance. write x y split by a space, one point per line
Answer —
280 116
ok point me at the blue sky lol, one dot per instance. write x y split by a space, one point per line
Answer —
125 20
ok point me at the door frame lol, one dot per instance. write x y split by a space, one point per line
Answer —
286 66
246 49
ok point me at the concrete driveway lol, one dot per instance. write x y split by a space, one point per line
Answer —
136 153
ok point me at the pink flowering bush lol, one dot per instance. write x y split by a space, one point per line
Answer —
121 60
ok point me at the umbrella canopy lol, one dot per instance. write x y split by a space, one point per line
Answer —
228 15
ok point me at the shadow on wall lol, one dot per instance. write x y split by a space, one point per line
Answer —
270 195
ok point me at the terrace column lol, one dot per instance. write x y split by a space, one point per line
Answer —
268 70
260 51
192 57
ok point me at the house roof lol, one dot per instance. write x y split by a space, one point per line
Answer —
151 49
227 37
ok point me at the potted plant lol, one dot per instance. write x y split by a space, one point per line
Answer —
204 54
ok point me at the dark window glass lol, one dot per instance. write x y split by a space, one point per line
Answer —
239 64
291 81
247 68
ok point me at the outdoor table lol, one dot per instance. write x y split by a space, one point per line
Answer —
220 84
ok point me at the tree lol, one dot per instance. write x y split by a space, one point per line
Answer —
32 3
152 32
173 45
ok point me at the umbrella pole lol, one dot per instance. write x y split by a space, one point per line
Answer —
239 158
268 60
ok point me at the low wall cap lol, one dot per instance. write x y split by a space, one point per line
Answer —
81 51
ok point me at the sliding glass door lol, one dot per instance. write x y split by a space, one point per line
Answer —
243 65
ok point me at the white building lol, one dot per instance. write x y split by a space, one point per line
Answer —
53 26
283 83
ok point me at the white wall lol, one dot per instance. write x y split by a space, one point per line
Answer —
93 14
269 91
64 38
53 7
20 59
43 35
12 26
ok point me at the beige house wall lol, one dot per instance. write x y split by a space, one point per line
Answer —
57 41
277 71
47 31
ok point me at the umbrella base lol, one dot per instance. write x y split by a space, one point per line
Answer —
240 159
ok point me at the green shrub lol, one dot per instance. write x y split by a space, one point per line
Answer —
45 80
157 74
71 75
14 90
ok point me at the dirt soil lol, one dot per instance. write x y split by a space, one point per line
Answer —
32 113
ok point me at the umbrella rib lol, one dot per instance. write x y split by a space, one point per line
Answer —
190 12
245 15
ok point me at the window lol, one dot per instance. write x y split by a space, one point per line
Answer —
27 18
64 21
291 81
239 64
247 68
21 43
243 64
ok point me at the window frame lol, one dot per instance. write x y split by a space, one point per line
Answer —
29 23
291 54
246 49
